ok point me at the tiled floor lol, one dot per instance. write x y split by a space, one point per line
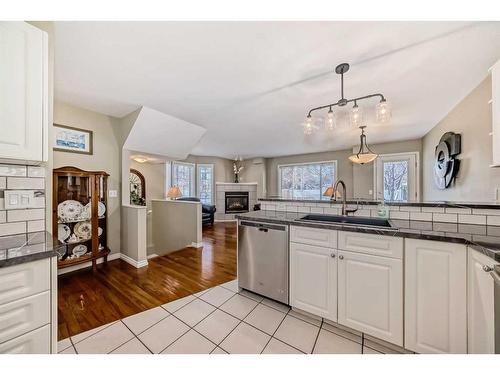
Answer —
217 321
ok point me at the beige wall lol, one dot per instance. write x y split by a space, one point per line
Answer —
176 225
363 174
106 157
134 241
254 170
344 167
476 181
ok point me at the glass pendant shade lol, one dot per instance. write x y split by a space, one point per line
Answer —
356 116
364 155
308 126
383 111
330 121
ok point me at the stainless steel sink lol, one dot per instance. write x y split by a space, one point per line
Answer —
348 220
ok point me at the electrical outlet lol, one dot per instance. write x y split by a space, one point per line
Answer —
113 193
18 199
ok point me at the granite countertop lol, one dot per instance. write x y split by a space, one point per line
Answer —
361 201
483 238
24 248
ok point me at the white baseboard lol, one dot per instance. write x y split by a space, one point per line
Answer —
195 244
133 262
152 256
224 220
87 264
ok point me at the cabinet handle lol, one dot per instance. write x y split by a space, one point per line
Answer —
487 268
341 257
332 255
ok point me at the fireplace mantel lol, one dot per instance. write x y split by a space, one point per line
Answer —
231 187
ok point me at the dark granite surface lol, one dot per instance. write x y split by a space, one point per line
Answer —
448 204
23 248
483 238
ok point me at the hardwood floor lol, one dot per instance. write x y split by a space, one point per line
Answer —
89 299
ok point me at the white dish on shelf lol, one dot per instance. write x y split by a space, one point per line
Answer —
83 229
99 231
101 209
79 250
63 232
86 212
69 210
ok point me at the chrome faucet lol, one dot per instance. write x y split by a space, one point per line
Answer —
345 211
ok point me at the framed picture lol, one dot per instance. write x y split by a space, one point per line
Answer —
69 139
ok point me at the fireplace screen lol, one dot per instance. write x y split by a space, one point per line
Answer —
236 202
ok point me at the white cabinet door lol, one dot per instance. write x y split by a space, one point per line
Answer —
23 91
313 280
495 112
480 304
435 297
370 295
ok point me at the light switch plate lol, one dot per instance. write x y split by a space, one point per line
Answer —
113 193
18 199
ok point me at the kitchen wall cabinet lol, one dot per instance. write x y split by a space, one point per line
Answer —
435 297
370 295
480 304
495 113
313 279
24 92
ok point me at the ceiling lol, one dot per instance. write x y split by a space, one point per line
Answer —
250 84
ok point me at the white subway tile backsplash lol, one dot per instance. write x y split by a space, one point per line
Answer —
472 219
423 216
317 210
493 220
3 183
454 210
12 170
36 225
439 210
365 213
331 211
2 205
12 228
22 183
445 218
409 208
291 208
399 215
3 216
486 211
25 215
304 209
36 171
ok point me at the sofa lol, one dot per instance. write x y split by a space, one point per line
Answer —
207 210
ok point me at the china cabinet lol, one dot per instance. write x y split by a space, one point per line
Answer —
80 215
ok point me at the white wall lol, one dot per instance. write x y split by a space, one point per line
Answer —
476 181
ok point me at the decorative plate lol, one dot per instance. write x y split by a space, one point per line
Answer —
79 250
69 210
86 212
63 232
83 229
101 209
99 231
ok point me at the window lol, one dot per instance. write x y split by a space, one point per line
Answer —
397 177
306 181
205 177
183 177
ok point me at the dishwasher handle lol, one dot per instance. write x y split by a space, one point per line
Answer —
264 227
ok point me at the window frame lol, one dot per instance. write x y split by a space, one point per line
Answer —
192 192
198 181
335 174
412 176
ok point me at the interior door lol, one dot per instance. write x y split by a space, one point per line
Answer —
370 295
23 50
313 280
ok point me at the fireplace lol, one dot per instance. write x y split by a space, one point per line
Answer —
236 202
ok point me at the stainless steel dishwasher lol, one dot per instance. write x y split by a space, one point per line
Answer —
263 259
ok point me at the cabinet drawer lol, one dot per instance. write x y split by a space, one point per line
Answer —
24 315
24 280
314 236
34 342
372 244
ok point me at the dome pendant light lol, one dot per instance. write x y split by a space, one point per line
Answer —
364 155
